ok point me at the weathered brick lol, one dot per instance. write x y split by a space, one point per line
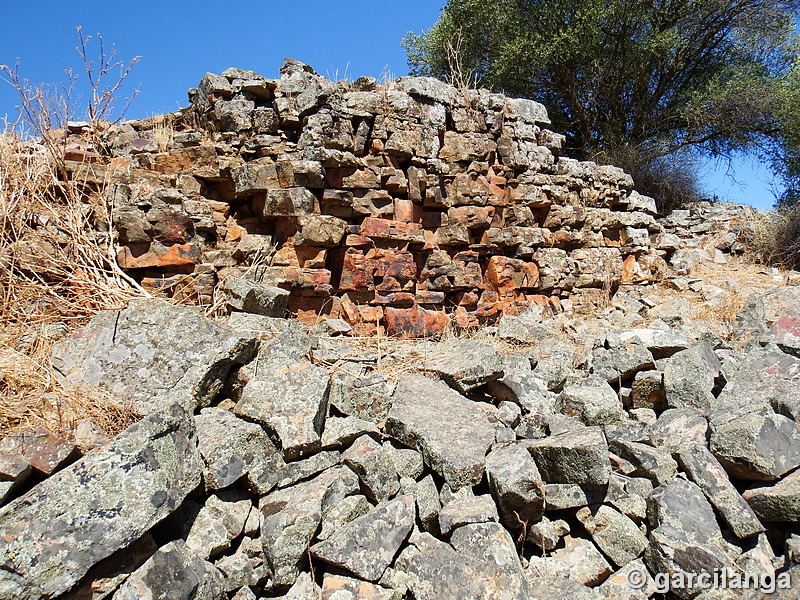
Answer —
414 322
158 255
392 230
505 274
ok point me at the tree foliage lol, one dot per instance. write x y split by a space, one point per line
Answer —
629 81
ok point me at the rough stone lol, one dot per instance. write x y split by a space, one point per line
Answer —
757 446
579 456
438 572
465 510
375 467
368 398
584 562
342 431
298 470
615 534
657 465
786 333
620 363
706 472
80 515
367 545
780 502
221 520
349 509
232 448
291 516
689 377
546 534
660 342
290 400
516 484
258 298
465 364
527 390
679 427
454 448
174 571
593 401
152 353
336 587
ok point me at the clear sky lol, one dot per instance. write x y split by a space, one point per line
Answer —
179 41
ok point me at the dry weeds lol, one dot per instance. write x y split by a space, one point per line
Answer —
55 268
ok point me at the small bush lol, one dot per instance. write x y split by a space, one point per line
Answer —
777 238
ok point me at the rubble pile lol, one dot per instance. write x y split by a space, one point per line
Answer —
278 460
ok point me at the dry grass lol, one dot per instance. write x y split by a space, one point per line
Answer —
31 397
777 238
55 267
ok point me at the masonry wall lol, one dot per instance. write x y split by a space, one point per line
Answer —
405 205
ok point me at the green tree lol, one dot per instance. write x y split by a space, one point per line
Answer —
641 83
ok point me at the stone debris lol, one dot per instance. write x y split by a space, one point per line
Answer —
592 427
130 353
55 533
454 447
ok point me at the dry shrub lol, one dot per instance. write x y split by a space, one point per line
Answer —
30 396
57 265
777 238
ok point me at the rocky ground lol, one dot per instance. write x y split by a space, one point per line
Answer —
553 456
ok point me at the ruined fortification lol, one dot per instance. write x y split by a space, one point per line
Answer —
406 204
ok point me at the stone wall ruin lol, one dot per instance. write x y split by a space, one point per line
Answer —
406 205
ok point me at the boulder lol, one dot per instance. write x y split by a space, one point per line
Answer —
706 472
615 534
232 448
374 464
593 401
291 516
252 297
780 502
367 545
757 446
454 447
174 571
579 456
464 364
516 484
152 353
689 377
53 534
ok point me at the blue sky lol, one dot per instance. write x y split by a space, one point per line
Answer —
179 41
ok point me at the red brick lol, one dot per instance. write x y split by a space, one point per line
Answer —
308 309
405 211
354 271
357 240
507 274
414 322
394 299
391 263
391 230
157 255
428 297
464 319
